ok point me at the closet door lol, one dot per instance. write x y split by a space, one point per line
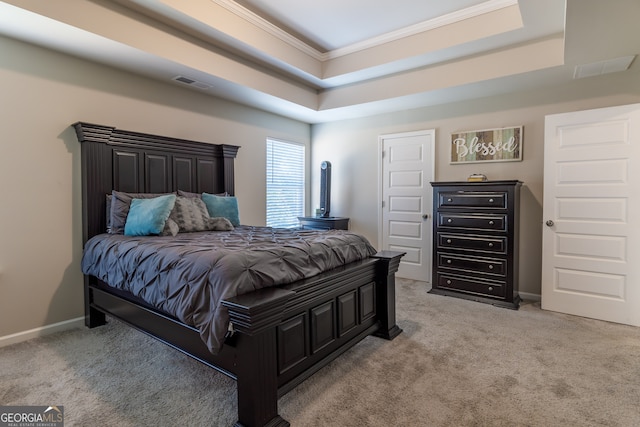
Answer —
591 237
407 167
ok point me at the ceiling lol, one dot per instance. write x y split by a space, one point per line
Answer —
337 59
336 24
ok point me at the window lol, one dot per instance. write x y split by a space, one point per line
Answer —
285 183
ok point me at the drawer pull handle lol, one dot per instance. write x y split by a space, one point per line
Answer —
490 200
490 288
490 245
449 220
448 261
490 222
490 267
448 282
449 200
448 240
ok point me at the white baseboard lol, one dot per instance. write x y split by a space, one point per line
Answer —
530 297
41 331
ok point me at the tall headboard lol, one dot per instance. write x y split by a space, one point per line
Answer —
114 159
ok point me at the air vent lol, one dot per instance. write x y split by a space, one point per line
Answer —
603 67
191 82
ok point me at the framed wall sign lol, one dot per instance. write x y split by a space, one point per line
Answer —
490 145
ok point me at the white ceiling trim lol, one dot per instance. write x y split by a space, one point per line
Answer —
268 27
421 27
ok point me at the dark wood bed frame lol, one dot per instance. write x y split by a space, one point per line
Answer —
282 335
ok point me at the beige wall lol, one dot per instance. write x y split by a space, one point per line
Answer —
42 94
352 147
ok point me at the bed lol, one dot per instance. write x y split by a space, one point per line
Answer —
277 334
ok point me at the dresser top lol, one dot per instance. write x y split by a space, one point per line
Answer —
475 183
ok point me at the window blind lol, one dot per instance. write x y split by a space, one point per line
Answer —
285 183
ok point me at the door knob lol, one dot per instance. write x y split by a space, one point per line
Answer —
425 216
549 223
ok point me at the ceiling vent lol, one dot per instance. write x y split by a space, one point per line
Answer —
603 67
191 82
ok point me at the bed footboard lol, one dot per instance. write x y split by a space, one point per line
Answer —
287 334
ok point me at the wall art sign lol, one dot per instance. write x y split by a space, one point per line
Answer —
490 145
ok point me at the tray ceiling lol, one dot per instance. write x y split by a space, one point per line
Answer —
336 59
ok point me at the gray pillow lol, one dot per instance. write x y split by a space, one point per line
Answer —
170 228
220 224
182 193
191 214
198 195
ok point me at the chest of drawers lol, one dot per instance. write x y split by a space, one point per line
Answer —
475 241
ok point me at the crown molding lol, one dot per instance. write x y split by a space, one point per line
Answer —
421 27
268 27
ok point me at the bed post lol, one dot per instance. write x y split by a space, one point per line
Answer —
229 153
388 264
96 183
92 316
255 317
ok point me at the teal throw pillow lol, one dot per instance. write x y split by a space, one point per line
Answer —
220 206
147 216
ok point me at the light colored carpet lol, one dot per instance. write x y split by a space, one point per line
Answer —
457 363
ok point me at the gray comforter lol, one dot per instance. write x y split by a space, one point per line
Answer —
189 275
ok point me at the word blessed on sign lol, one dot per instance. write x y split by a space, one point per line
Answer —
492 145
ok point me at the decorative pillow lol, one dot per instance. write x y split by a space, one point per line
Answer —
220 224
198 195
226 207
189 194
120 202
148 216
170 228
190 213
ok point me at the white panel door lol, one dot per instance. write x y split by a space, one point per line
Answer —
591 246
407 170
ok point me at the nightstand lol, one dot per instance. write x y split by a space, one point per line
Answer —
320 223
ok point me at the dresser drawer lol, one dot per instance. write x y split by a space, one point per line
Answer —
471 285
472 221
473 199
494 266
496 245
